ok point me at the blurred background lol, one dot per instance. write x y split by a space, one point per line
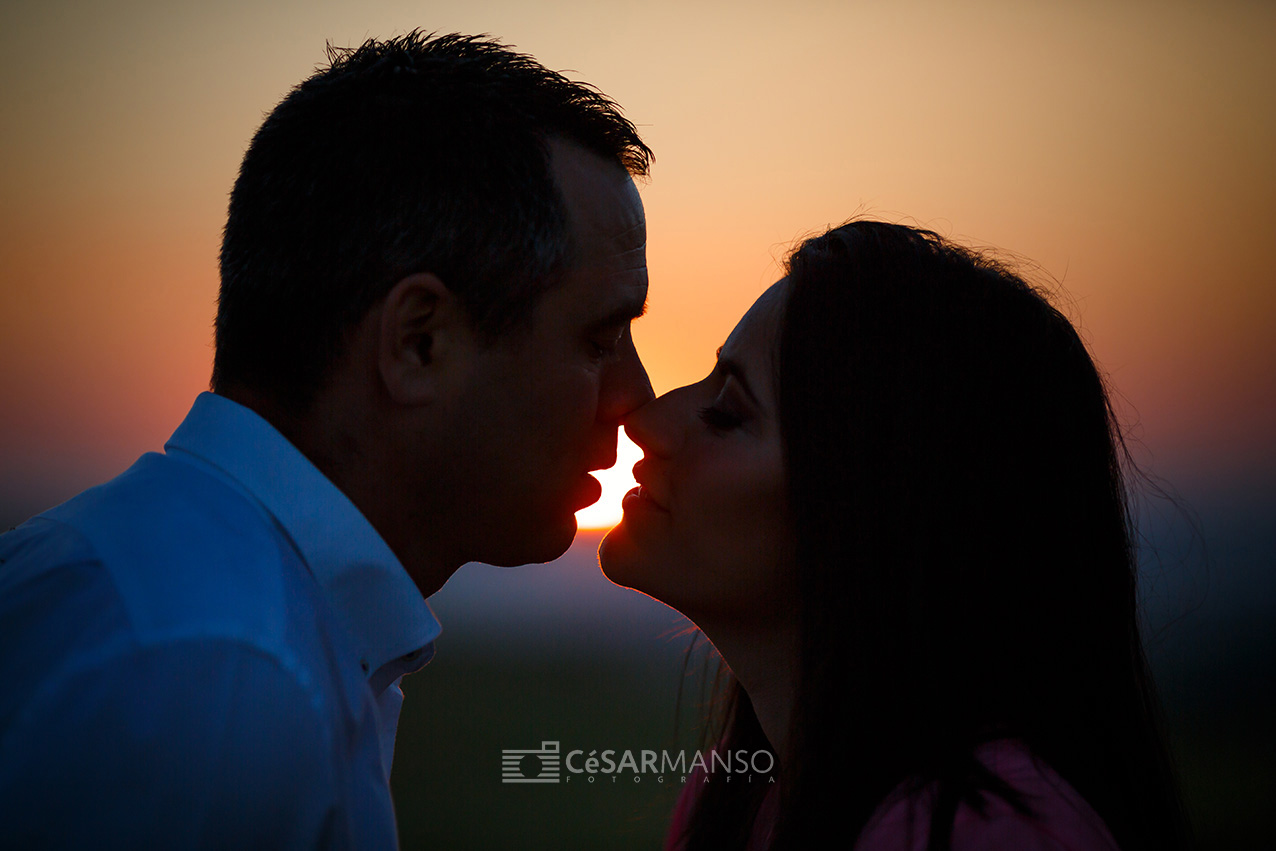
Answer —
1124 148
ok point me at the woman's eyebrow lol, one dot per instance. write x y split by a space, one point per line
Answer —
732 369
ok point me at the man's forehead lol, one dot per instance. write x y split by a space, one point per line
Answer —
606 281
603 206
627 248
599 291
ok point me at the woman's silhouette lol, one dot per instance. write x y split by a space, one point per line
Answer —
897 509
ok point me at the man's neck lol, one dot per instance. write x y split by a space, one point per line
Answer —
365 468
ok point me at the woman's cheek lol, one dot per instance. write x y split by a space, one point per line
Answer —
751 539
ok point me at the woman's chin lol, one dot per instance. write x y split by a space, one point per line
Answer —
630 566
622 561
614 554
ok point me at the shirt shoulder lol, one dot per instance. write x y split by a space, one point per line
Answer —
158 563
208 738
1059 818
163 652
183 551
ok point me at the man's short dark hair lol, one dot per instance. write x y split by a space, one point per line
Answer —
416 154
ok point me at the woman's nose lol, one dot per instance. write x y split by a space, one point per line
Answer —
658 427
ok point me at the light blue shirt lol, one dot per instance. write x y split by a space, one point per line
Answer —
204 652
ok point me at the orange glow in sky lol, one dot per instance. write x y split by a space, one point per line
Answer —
1124 147
616 482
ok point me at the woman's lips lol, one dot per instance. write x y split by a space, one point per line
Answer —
640 498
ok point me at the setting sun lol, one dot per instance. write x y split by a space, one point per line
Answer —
616 481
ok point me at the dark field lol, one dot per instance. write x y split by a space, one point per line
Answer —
554 653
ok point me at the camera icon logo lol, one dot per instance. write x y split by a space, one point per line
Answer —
532 765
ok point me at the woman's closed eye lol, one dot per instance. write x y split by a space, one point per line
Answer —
719 418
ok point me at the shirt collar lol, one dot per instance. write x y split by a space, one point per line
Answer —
361 576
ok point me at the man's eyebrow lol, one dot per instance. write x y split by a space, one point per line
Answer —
621 315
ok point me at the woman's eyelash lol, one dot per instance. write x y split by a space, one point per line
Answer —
719 419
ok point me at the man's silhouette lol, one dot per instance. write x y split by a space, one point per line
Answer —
433 254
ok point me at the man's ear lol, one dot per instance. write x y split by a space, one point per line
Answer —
425 339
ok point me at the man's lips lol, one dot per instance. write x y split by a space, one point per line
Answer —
587 494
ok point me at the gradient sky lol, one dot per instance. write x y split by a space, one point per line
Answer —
1126 148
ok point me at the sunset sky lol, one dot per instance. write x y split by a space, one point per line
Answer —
1126 148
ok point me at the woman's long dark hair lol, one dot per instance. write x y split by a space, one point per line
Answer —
965 562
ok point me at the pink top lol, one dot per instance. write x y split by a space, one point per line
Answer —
1061 820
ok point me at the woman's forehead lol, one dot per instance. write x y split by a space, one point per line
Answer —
752 342
761 322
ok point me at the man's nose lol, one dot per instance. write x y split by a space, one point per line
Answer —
625 386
